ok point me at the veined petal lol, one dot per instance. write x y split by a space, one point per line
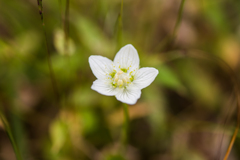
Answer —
144 77
127 58
104 87
101 67
128 96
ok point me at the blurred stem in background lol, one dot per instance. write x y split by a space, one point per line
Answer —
53 81
67 45
179 19
120 27
232 142
10 135
238 122
66 28
125 129
60 8
169 41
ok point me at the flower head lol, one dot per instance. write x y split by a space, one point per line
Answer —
121 77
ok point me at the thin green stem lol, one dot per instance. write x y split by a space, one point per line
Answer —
126 126
179 19
120 27
53 81
66 33
66 28
10 135
60 8
169 40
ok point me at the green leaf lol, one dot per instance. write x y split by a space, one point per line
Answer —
93 37
168 78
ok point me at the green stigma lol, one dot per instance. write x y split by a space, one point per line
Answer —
132 78
112 74
114 85
124 70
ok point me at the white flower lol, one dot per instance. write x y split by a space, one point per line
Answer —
122 77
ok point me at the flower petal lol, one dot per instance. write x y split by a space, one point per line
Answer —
127 58
128 96
101 67
104 87
144 77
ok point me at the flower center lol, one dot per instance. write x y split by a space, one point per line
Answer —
121 79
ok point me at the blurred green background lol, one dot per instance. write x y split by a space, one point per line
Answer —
187 113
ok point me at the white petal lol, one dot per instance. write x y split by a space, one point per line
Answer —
104 87
144 77
127 58
101 66
128 96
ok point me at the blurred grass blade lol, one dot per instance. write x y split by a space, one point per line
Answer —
170 39
66 28
60 8
179 19
237 127
120 27
53 81
231 143
10 135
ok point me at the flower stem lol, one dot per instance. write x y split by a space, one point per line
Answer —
10 135
125 127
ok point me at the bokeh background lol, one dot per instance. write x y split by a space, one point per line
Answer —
187 113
